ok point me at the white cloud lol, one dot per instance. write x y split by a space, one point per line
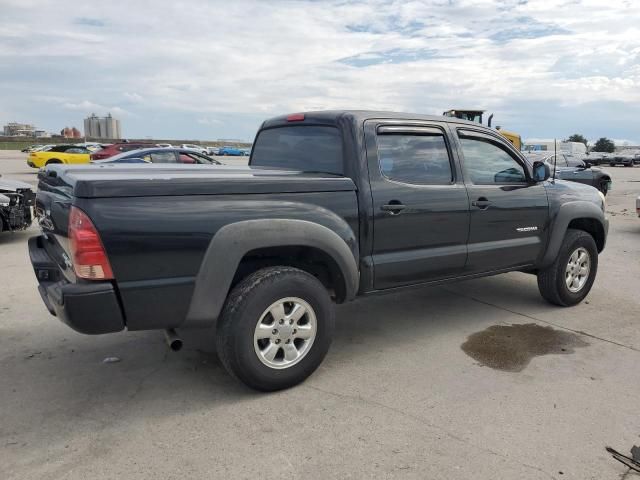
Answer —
89 107
133 97
516 58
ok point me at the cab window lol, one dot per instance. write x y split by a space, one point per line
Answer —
415 158
486 163
305 147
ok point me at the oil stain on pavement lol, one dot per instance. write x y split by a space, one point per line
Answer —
511 347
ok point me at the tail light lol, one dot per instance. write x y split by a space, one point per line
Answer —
90 260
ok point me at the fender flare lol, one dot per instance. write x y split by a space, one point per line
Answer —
559 225
232 242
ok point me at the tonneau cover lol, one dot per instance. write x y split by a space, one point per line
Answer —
101 181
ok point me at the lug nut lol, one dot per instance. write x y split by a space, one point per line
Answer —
281 321
274 331
295 331
277 341
288 341
290 322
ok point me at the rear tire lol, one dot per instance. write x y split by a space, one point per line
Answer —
568 280
268 351
53 161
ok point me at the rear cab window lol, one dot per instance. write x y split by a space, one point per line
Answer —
310 148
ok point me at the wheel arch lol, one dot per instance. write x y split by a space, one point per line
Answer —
252 244
593 227
579 215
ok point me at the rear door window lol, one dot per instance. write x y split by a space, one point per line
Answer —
307 148
415 159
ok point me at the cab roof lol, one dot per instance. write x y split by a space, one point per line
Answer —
334 117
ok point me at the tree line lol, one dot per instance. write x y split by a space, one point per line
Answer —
602 145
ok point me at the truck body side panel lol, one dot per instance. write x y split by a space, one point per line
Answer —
156 245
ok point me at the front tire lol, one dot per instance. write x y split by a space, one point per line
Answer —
604 187
568 280
276 328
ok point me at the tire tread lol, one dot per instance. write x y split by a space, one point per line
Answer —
236 299
548 280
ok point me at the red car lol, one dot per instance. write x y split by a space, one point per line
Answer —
114 149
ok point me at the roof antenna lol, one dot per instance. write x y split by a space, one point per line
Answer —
555 159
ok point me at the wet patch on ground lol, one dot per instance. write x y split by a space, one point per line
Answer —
511 347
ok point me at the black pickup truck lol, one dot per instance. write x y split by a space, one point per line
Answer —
333 205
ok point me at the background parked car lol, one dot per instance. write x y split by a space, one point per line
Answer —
213 151
58 154
621 159
575 170
116 148
160 155
197 148
164 145
592 159
232 151
17 200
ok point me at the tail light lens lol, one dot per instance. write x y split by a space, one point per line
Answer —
89 257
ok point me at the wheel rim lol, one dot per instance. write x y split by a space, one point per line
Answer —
285 333
577 271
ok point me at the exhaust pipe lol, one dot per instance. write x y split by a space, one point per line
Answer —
173 340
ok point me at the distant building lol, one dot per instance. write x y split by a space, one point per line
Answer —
14 129
73 132
102 127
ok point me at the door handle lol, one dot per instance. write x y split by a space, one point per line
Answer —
394 207
482 203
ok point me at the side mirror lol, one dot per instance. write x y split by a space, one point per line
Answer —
541 171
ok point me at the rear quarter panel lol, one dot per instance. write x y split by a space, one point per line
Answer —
156 244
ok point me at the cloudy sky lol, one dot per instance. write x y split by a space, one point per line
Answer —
214 69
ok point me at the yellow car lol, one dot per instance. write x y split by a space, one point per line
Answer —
59 154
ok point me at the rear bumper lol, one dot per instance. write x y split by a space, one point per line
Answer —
90 308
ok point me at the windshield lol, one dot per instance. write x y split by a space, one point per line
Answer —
307 148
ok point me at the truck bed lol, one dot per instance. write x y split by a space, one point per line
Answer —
104 181
156 223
